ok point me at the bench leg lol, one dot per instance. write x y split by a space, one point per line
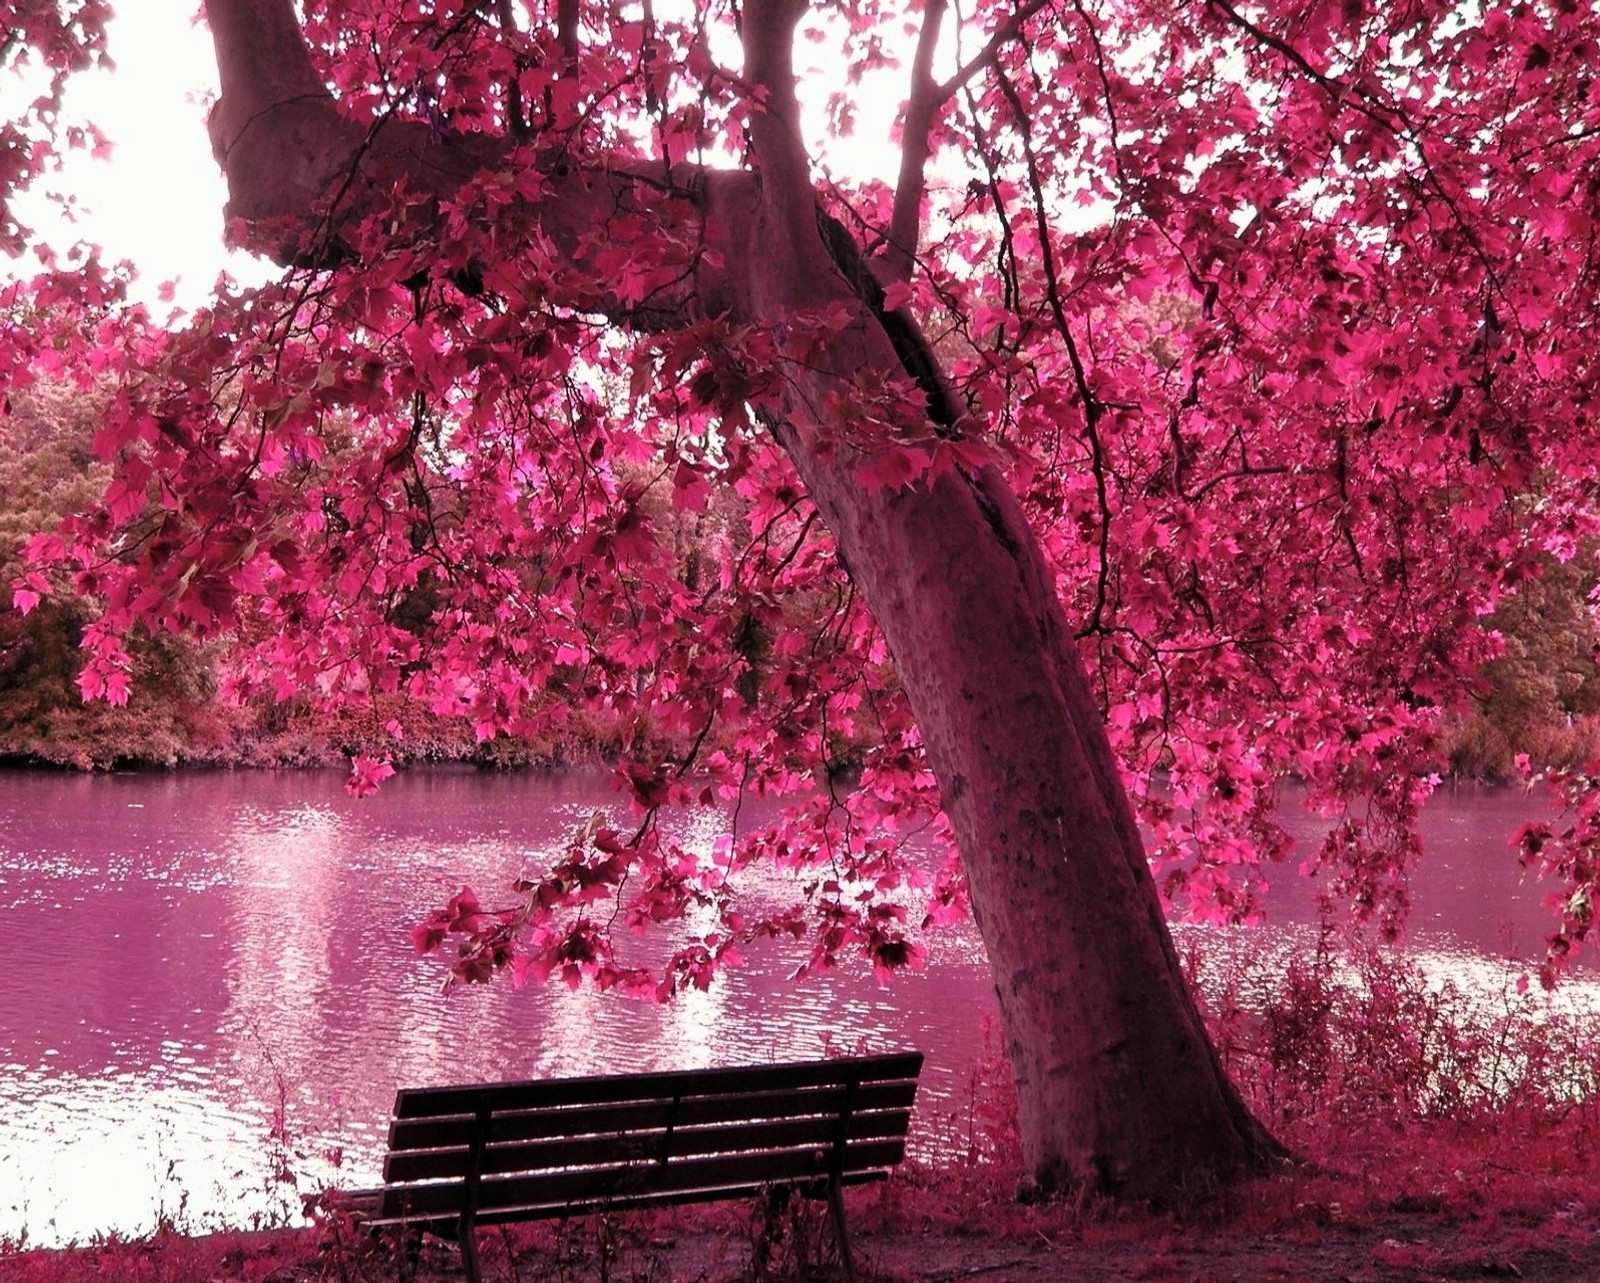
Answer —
408 1249
836 1203
468 1237
467 1226
773 1205
399 1245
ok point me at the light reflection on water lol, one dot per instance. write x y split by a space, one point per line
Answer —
209 975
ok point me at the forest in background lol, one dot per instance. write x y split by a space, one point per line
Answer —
179 710
1539 698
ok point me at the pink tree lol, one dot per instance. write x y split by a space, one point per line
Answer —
584 380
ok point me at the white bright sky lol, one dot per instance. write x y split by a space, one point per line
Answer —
157 202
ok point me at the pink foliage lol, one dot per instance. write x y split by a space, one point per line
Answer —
366 774
46 43
1568 850
1308 393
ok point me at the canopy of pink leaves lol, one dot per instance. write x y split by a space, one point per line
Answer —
1282 318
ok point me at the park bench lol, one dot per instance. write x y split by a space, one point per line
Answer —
461 1157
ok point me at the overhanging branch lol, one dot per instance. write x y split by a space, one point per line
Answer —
302 176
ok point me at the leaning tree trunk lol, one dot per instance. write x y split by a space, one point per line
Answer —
1118 1084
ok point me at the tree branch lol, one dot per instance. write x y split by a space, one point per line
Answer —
926 98
302 177
262 53
516 122
275 119
567 34
1391 117
1006 32
923 103
752 243
1093 407
788 197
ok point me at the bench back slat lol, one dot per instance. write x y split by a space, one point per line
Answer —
508 1125
553 1093
554 1193
644 1145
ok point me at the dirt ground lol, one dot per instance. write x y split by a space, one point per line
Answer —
914 1235
1406 1243
1408 1249
1398 1249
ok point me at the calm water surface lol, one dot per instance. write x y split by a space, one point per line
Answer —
209 983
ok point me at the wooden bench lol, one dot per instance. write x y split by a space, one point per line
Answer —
461 1157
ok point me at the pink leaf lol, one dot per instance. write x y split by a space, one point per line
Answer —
366 774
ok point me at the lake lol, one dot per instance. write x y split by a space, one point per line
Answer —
211 994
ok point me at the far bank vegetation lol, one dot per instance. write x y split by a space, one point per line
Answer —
1539 698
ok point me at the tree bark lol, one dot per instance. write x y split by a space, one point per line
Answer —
1119 1087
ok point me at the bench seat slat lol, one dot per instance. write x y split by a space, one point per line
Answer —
514 1124
642 1145
628 1183
549 1093
445 1226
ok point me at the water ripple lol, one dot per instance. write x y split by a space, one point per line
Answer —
210 983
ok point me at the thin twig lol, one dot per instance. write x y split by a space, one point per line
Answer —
1005 33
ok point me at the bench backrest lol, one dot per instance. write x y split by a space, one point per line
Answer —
571 1145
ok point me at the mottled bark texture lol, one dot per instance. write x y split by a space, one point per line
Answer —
1119 1086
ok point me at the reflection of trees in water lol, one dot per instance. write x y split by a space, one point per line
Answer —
286 873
